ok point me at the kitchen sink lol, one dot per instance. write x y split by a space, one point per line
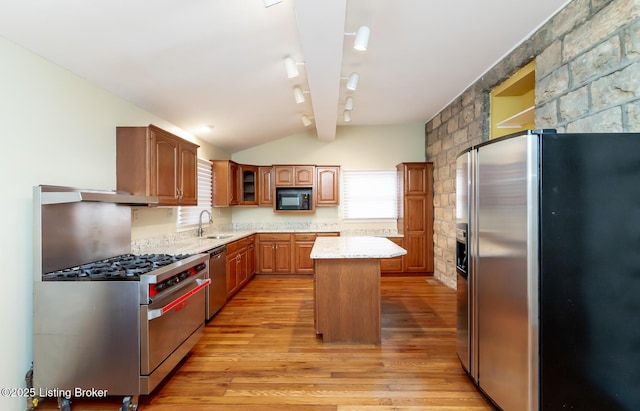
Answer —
220 236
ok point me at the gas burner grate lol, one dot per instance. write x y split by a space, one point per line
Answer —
123 267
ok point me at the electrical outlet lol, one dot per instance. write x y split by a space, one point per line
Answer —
135 214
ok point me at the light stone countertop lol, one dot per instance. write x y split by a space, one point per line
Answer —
355 247
186 244
195 245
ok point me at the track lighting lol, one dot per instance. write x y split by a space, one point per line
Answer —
292 67
346 116
306 120
362 38
352 81
348 103
298 94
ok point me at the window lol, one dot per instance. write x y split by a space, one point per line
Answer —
189 216
370 194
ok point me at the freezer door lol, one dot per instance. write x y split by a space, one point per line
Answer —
463 344
507 236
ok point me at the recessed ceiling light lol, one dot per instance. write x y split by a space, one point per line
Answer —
205 129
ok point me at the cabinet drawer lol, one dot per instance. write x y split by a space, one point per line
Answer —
233 247
393 265
274 237
305 237
244 242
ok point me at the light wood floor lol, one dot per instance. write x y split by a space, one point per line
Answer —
260 353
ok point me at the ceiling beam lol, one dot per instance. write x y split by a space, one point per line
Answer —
321 29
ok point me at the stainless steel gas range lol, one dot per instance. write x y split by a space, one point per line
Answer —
105 319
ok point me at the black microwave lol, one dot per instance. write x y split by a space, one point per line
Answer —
293 198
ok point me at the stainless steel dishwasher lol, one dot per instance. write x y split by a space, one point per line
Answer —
217 293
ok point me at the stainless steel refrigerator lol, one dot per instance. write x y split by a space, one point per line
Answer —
548 261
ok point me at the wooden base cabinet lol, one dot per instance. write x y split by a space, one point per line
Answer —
395 264
240 263
274 253
347 300
302 246
415 221
287 253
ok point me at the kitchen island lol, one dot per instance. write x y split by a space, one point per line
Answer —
347 287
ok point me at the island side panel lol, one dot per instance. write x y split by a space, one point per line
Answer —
347 293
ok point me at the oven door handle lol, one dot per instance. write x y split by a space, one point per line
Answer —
158 312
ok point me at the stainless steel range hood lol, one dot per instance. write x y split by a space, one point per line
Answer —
60 195
74 226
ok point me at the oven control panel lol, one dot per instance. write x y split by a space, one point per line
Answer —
175 279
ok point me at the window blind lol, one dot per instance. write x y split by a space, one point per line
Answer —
189 216
370 194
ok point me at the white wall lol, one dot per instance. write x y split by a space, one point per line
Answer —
354 148
56 128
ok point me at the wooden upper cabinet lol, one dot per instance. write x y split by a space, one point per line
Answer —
304 175
225 184
290 176
265 186
283 175
153 162
327 185
188 174
416 179
249 184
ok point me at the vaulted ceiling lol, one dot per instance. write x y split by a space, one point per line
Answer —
221 62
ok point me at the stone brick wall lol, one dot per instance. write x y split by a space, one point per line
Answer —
587 80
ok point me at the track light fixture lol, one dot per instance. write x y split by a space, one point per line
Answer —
352 81
362 38
348 103
298 94
346 116
291 67
306 120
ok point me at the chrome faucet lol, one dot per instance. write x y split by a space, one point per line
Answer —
200 230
